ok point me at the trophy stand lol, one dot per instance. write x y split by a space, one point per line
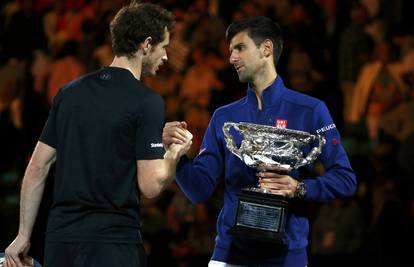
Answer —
260 216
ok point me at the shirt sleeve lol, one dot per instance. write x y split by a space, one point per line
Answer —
198 179
149 131
49 132
339 178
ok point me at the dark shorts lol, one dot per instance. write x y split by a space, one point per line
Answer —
94 255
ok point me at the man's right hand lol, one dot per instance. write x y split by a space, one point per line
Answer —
179 150
174 133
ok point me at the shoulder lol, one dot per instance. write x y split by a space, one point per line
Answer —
230 108
301 100
147 94
79 82
73 86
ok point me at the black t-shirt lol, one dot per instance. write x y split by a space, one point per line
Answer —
100 125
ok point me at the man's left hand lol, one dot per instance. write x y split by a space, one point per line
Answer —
277 181
16 253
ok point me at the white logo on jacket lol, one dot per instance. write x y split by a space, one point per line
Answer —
326 128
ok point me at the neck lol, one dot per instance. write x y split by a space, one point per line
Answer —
261 83
134 65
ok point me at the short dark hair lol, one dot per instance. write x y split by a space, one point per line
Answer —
134 23
259 29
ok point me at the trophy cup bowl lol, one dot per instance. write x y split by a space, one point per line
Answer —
261 215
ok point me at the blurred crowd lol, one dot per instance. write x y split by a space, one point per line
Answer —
356 55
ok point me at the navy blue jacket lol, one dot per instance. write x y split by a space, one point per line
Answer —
280 107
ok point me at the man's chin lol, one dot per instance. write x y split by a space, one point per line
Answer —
243 79
149 74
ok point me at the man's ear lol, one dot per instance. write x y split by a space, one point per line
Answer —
267 46
146 45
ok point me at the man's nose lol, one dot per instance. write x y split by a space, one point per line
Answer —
233 58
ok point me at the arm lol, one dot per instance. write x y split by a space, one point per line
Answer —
155 175
156 167
199 178
31 195
339 178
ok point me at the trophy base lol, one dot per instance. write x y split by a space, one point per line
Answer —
257 235
260 216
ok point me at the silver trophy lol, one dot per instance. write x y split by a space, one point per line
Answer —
261 214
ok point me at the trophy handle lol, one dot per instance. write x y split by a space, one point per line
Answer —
314 153
231 145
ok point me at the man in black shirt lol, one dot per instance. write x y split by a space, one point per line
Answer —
105 133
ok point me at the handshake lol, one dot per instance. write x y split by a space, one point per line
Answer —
176 138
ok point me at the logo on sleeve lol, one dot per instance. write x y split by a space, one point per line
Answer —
281 123
105 76
156 145
326 128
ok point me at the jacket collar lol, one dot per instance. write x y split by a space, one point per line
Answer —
270 95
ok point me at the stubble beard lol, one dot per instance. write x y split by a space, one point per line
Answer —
148 69
244 76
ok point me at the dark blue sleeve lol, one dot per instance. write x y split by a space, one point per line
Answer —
339 178
198 179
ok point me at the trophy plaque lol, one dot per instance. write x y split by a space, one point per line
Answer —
262 215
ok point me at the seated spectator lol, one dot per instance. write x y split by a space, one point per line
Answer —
379 89
64 69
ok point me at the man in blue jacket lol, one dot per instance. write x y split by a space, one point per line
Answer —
255 47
